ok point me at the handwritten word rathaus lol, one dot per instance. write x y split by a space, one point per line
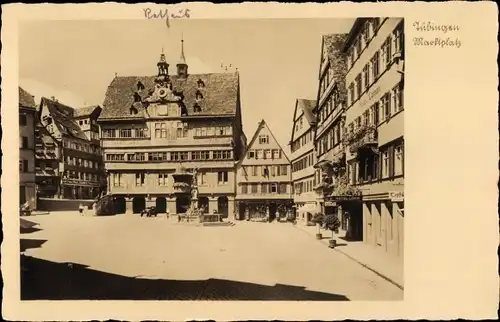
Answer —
164 14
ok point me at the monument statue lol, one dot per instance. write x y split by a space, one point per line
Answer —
194 193
195 177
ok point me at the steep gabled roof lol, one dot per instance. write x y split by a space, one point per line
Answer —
306 106
63 117
262 125
26 99
220 94
333 45
85 111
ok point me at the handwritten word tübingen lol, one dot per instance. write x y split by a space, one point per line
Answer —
437 42
165 14
431 26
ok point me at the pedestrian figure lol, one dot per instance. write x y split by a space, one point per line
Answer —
80 209
168 214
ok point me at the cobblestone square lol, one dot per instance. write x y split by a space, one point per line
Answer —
133 257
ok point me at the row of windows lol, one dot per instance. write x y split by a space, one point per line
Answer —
82 162
162 131
299 124
81 175
264 188
266 154
368 31
390 103
331 105
304 186
388 163
46 165
86 121
171 156
266 171
85 147
125 133
329 139
303 140
263 139
162 178
213 131
303 163
379 62
326 80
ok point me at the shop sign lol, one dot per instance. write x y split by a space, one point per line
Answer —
344 198
330 203
371 95
397 196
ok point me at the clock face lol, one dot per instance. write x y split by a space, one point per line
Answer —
162 92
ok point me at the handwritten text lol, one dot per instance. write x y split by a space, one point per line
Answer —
165 14
436 35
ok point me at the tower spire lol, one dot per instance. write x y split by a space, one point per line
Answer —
183 58
182 66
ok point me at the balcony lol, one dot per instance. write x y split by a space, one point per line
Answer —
365 137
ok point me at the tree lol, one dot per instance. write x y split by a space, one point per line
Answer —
332 223
318 219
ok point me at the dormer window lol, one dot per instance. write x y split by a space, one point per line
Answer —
197 108
133 110
140 86
199 95
137 97
200 83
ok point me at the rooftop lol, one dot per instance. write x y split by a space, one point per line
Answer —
63 116
307 106
219 94
85 111
26 99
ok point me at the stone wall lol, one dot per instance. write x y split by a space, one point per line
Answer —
48 204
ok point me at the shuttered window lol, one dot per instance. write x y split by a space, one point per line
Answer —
391 161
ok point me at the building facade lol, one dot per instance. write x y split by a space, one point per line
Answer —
303 158
155 130
47 158
80 159
27 121
375 127
264 187
86 117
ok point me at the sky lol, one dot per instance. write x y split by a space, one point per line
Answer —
277 59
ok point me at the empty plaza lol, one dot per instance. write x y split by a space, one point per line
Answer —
133 257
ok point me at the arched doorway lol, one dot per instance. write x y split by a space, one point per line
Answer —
120 205
138 204
182 204
222 206
161 205
203 204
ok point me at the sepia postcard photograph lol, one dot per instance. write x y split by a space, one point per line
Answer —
170 159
